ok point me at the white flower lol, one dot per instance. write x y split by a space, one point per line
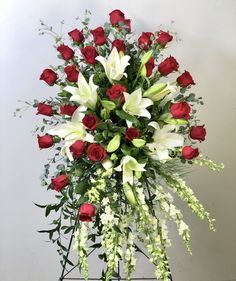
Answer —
135 104
115 65
129 164
72 131
164 139
85 94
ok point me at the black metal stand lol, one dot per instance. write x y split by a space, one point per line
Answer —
64 276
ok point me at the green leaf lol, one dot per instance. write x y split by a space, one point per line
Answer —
81 187
126 116
40 206
97 245
116 228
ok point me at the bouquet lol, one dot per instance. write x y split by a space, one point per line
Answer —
124 131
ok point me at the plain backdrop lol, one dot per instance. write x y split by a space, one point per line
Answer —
207 49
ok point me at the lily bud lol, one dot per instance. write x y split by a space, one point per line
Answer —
173 121
109 105
146 57
156 88
129 194
138 142
114 144
138 174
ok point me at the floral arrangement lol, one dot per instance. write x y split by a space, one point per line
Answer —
123 135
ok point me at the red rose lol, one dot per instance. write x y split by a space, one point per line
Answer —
59 182
44 109
68 109
49 76
45 141
76 35
189 153
144 41
89 53
77 148
149 66
86 212
66 52
132 133
99 36
115 92
72 73
198 133
185 79
96 152
168 65
116 16
180 110
164 37
119 44
127 23
90 121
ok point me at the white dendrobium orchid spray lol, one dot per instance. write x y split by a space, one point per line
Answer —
85 94
135 104
128 165
164 139
72 131
114 65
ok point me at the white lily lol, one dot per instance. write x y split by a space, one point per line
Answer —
164 139
115 65
135 104
85 94
128 165
72 131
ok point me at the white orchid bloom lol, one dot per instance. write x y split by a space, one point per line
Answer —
72 131
135 104
85 94
164 139
115 65
128 165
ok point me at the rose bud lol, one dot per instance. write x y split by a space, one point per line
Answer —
132 133
59 182
116 92
90 122
127 23
185 79
198 133
149 67
189 153
68 109
89 53
77 148
116 16
76 35
71 72
180 110
49 76
66 52
119 44
86 212
144 41
45 141
163 38
44 109
168 65
99 36
96 152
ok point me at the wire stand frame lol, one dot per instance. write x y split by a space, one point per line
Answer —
64 276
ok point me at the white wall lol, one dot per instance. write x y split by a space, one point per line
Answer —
207 50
